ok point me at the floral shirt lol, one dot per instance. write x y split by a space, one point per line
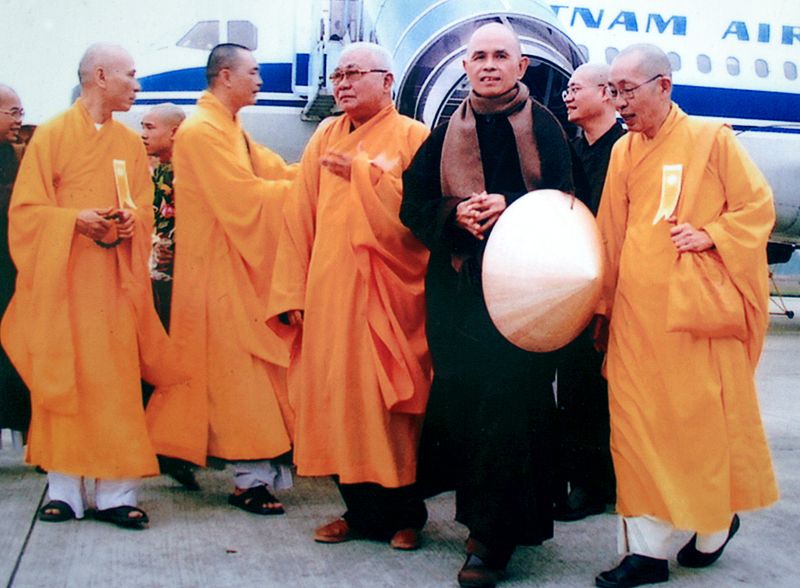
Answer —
164 208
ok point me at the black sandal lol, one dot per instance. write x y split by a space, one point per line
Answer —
256 501
63 512
121 516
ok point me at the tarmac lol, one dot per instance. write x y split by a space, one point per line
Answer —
196 540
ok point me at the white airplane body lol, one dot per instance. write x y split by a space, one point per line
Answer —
734 61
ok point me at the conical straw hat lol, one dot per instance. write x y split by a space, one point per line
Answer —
542 270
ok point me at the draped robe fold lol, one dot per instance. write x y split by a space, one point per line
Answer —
360 370
229 192
686 434
81 328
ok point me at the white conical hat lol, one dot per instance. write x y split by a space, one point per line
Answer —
542 270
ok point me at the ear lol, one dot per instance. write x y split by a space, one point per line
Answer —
665 84
172 133
388 81
225 77
523 66
100 76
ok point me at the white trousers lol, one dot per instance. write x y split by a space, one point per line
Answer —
107 493
249 474
651 537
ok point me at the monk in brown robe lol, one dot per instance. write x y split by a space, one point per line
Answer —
80 328
685 216
229 192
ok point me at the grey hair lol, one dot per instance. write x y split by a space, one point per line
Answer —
96 55
381 54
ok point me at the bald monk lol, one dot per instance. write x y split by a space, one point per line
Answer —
488 431
80 328
228 194
159 126
15 404
349 276
584 463
685 213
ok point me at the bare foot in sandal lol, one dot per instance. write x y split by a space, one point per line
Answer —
257 500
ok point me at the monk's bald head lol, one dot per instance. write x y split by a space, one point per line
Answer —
101 55
645 59
494 61
167 113
641 82
497 33
591 74
10 114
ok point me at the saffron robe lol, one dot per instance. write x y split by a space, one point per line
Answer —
81 328
361 371
229 192
686 435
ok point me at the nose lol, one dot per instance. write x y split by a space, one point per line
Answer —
137 87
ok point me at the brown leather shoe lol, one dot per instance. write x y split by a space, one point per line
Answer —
337 531
476 574
406 540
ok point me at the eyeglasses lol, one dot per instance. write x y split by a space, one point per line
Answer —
628 93
16 113
352 75
575 89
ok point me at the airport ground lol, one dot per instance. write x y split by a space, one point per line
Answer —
197 540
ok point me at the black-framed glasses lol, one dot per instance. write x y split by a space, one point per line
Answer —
17 113
352 75
573 90
628 93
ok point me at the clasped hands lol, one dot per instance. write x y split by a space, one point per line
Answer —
478 213
95 223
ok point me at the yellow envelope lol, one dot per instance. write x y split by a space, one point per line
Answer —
671 179
123 188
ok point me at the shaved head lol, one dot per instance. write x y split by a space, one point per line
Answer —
494 31
647 60
168 113
7 93
592 74
224 56
99 55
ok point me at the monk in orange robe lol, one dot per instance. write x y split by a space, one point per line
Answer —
80 328
229 192
350 277
687 297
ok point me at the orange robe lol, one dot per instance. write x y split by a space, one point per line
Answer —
360 373
81 318
229 192
687 439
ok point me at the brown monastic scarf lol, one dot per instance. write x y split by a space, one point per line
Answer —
461 169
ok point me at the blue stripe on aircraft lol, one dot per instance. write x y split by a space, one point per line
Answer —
741 104
192 101
277 78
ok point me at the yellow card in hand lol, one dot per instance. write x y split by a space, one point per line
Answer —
671 179
123 188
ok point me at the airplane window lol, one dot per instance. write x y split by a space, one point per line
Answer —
244 33
203 35
584 51
790 70
611 53
704 63
762 68
674 60
733 66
